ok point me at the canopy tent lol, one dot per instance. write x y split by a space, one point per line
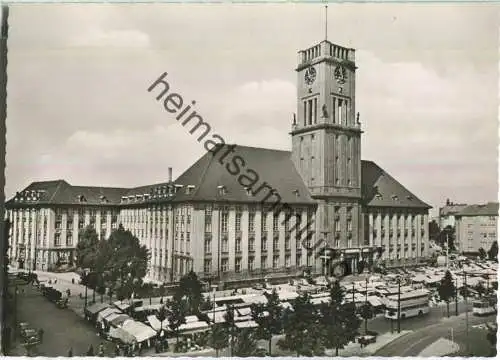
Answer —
419 278
122 335
433 279
219 317
106 312
96 308
194 326
258 299
141 332
286 305
119 320
244 311
317 301
112 317
375 301
246 324
122 305
156 324
152 307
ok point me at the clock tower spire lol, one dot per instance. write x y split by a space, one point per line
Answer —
326 139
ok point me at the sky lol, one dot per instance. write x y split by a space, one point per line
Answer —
79 110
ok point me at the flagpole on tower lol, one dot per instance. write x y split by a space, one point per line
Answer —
326 22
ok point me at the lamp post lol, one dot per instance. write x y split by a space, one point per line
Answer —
399 304
456 296
85 281
213 290
353 302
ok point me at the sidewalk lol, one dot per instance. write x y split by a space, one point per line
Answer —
355 349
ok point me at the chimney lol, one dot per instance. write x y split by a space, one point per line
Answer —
169 174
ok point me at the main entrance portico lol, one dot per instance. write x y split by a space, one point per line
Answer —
350 261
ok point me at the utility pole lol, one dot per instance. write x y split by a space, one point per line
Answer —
447 251
353 302
456 296
399 305
466 315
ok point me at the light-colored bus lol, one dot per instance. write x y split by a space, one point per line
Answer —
412 303
485 306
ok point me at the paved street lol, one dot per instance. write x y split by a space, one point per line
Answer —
382 325
63 329
412 344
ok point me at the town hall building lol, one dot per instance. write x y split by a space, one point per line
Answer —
242 213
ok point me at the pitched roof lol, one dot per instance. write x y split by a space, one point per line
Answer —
61 192
489 209
382 190
451 209
272 167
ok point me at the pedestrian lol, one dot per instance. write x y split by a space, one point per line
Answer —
101 350
117 350
90 351
73 280
70 352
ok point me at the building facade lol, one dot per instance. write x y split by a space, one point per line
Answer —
448 212
477 227
318 208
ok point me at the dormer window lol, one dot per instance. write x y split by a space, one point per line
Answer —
221 190
394 197
378 196
131 197
178 187
145 196
296 192
249 191
103 199
124 198
409 197
189 189
81 198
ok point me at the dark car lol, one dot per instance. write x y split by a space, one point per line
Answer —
367 339
31 336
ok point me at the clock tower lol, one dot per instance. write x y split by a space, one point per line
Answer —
326 141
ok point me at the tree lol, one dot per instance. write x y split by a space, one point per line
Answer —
447 290
302 333
366 312
86 248
177 315
480 288
434 231
191 287
245 344
493 251
268 317
218 338
123 256
230 324
491 336
446 237
339 320
162 316
482 253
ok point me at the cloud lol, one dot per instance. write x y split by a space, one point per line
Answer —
96 37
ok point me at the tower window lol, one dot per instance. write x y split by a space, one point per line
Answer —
305 113
340 103
315 111
310 111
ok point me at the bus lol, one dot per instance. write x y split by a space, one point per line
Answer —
412 303
485 306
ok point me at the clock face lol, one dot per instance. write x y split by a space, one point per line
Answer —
310 75
340 74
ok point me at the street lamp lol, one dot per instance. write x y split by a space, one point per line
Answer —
399 304
214 287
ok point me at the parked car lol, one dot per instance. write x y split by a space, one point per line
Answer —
23 327
367 339
31 336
